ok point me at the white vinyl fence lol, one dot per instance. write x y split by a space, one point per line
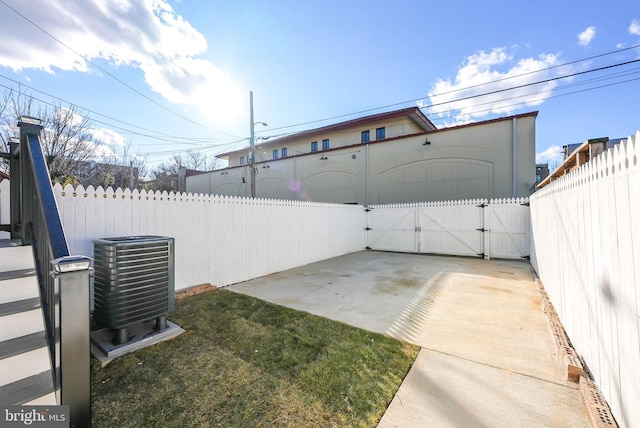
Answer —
498 228
218 240
586 235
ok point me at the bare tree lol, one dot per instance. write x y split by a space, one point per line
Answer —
4 143
166 173
66 138
190 160
120 169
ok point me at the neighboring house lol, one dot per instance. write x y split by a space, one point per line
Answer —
542 172
576 155
376 127
170 182
106 175
394 157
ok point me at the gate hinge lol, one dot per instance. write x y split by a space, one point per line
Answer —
526 204
367 248
367 228
481 255
526 257
482 205
367 210
482 230
418 229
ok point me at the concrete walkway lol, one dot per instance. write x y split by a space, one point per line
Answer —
488 358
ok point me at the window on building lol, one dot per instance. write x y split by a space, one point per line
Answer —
284 152
380 134
325 144
314 146
364 137
241 160
275 154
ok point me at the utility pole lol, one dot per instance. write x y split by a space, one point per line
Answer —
252 145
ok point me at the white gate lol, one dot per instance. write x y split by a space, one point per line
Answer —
479 228
508 222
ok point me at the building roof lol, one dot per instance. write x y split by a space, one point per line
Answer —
414 113
484 122
533 114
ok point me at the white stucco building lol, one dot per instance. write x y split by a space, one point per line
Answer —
394 157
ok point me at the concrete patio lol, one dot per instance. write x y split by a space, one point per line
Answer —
488 356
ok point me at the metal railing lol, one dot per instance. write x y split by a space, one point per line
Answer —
63 280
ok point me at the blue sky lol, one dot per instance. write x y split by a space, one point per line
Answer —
179 72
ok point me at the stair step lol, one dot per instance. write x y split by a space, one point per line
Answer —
24 365
22 344
18 289
16 258
45 400
37 387
21 324
14 274
19 306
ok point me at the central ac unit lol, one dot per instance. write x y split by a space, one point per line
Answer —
134 282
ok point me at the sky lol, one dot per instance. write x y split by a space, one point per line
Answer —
165 77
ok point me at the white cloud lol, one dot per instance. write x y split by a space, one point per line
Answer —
142 34
497 72
585 38
634 28
550 155
108 137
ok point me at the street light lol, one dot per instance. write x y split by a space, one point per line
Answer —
252 145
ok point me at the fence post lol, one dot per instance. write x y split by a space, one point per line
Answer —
15 193
487 226
27 184
71 277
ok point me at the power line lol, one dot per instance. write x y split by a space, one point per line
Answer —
497 91
529 101
454 90
199 141
536 71
560 88
105 71
534 100
94 112
319 120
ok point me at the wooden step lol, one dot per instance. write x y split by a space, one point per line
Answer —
25 371
36 389
16 307
21 324
24 365
21 288
16 258
22 344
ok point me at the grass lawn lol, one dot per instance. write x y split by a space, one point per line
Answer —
244 362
